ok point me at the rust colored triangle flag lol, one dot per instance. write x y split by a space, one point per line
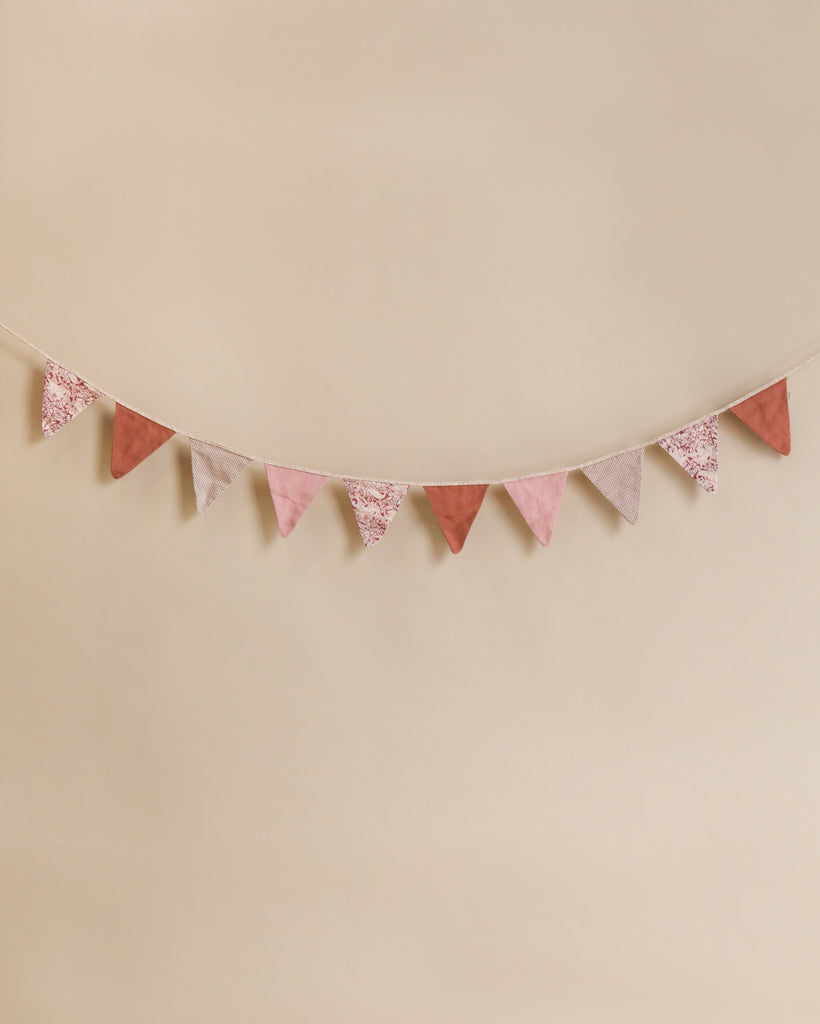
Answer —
65 395
293 492
538 500
456 508
135 438
767 414
695 448
214 469
375 504
619 479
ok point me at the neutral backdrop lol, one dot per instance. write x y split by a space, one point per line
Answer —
258 780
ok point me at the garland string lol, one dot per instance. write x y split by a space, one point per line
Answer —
420 483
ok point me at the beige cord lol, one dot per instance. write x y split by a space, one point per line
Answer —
420 483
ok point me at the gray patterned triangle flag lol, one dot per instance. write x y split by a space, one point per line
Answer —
695 448
214 468
619 479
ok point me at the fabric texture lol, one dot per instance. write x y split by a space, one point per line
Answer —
619 478
214 469
135 438
539 500
293 492
695 448
767 414
65 395
375 504
456 508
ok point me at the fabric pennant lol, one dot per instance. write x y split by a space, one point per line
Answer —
65 395
767 414
293 491
456 508
619 479
214 469
695 448
135 438
538 500
375 503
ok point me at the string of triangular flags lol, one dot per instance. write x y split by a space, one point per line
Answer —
375 503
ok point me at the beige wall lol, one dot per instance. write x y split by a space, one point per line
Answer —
256 780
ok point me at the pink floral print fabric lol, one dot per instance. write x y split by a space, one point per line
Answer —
374 504
65 395
695 448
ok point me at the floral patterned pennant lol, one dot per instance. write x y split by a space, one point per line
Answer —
767 414
456 508
538 499
695 448
65 395
293 492
619 478
375 504
214 469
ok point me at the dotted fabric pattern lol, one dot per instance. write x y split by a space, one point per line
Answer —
695 448
214 469
619 478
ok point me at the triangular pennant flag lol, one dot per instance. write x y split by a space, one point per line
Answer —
619 479
767 413
65 395
695 448
456 507
293 491
539 500
214 468
135 438
375 504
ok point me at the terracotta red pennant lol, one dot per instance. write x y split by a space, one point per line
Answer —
456 508
375 504
619 478
293 492
135 438
539 501
65 395
214 469
767 414
695 448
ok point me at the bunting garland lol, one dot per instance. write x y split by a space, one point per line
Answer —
618 477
